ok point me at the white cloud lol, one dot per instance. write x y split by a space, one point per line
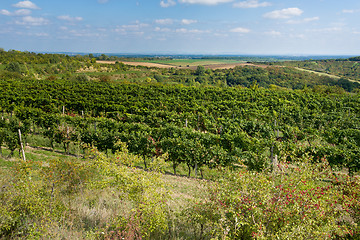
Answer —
33 21
273 33
181 30
41 34
298 36
251 4
350 10
205 2
221 35
82 33
167 3
70 19
158 29
327 30
166 21
311 19
26 4
196 31
305 20
102 1
240 30
20 12
5 12
284 13
137 28
188 21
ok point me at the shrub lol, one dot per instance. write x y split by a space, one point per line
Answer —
143 191
299 201
27 209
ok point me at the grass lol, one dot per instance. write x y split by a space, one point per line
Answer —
92 209
318 73
5 163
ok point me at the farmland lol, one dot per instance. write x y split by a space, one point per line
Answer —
188 64
196 62
139 152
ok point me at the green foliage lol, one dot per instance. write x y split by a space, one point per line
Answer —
81 78
200 70
41 196
13 67
224 126
204 127
343 69
144 191
27 209
297 201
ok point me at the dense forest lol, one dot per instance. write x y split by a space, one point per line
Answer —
272 137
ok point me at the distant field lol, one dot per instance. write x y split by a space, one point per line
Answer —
189 63
195 62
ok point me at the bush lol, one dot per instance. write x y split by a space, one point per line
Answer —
81 78
46 200
27 209
299 201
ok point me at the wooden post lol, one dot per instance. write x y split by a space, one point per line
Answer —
63 113
198 124
196 169
275 163
22 147
274 159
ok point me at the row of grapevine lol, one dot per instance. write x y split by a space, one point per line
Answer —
196 126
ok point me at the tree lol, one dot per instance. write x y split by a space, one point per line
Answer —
13 67
200 70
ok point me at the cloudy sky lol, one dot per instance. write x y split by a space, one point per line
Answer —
291 27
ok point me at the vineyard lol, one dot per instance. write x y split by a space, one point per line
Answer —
277 160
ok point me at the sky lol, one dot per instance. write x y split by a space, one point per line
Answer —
242 27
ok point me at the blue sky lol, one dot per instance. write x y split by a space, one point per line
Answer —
291 27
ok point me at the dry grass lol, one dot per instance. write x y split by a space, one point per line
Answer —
183 190
91 210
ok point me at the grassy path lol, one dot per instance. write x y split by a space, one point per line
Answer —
324 74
